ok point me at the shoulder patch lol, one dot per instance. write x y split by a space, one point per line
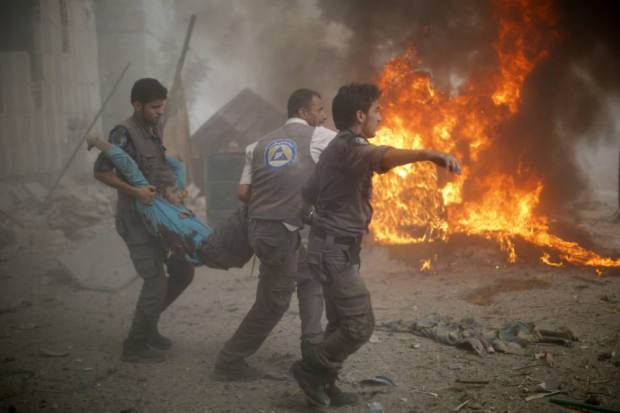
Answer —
360 141
280 153
118 136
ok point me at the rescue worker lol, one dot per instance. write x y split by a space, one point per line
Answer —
340 190
276 168
304 108
140 136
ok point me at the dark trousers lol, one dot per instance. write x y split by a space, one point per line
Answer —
309 296
149 260
350 318
276 248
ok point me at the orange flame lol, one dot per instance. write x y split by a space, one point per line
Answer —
415 203
426 265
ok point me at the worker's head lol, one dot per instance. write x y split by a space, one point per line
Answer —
306 104
356 107
148 98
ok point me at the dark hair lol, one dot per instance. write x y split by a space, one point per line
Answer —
147 90
301 98
350 99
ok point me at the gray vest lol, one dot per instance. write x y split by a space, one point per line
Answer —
150 157
281 166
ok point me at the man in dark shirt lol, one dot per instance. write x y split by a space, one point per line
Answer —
140 136
340 190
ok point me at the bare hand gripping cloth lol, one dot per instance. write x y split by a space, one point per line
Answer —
180 231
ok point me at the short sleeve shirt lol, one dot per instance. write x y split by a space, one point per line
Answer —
118 136
341 188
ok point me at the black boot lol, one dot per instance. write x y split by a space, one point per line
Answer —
159 342
338 397
238 370
140 353
312 384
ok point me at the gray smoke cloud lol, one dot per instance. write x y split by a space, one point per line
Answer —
271 46
275 46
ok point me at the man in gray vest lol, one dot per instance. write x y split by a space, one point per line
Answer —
276 168
140 136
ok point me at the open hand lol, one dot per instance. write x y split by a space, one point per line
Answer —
449 162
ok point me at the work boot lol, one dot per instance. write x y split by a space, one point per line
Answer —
141 354
312 385
339 398
236 371
159 342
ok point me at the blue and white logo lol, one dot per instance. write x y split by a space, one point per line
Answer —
280 153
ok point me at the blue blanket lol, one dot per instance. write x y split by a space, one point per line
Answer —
175 225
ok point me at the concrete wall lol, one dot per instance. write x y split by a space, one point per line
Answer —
138 31
49 94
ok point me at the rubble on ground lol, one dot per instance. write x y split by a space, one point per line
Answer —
469 334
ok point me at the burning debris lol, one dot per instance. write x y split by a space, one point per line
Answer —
490 199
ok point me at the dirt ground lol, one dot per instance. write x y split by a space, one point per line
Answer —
59 350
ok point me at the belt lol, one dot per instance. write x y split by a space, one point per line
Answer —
350 240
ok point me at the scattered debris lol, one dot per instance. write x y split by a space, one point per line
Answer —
542 395
606 356
609 299
378 381
583 406
548 386
477 382
545 356
374 339
428 393
375 406
274 377
473 336
51 353
460 406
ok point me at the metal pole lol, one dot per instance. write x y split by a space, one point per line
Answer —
90 127
188 35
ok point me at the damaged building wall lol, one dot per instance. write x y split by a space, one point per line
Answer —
50 84
138 31
58 58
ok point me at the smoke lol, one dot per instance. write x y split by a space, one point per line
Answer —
276 46
566 99
270 46
567 105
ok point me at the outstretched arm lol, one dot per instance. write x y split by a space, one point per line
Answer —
395 157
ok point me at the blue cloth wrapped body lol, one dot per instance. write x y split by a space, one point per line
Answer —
175 225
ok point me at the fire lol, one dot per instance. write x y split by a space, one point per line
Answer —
417 203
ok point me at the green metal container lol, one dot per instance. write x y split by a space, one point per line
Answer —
222 172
